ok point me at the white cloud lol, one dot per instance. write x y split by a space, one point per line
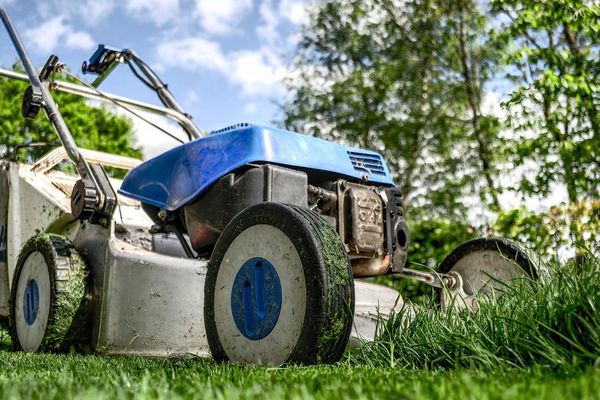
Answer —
79 40
86 12
271 17
294 11
267 28
191 97
191 53
159 11
151 140
95 10
255 71
221 17
49 35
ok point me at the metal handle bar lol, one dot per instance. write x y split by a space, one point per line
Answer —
83 91
48 102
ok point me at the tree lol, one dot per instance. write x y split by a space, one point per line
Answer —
406 80
469 28
554 108
92 127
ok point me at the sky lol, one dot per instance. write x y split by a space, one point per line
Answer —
224 60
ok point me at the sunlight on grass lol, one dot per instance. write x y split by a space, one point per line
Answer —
536 341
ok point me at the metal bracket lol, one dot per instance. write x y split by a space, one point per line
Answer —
458 298
104 61
431 278
168 228
107 201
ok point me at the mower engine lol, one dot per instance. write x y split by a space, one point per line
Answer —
350 188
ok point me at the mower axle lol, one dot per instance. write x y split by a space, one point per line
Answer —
431 278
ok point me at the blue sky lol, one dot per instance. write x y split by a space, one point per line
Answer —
223 59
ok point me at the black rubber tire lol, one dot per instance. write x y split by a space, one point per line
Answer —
67 327
508 248
328 276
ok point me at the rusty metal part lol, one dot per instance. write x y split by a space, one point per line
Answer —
365 267
366 216
325 200
360 219
396 231
371 225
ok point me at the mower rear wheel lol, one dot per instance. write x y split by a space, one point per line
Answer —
48 295
279 289
483 267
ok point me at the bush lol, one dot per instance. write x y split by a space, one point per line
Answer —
559 231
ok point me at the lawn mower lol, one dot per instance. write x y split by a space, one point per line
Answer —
247 243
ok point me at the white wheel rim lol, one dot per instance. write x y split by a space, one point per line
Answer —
272 244
482 272
31 335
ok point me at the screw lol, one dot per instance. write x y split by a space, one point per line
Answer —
449 281
162 215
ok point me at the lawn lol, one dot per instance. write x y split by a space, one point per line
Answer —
538 341
74 376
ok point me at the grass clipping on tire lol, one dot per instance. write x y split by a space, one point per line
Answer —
66 323
340 275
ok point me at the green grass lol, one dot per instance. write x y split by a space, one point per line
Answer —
537 341
71 376
553 323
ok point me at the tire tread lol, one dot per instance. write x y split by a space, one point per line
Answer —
67 321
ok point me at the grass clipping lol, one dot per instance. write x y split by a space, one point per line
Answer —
553 323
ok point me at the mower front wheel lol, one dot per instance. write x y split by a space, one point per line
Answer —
279 289
48 296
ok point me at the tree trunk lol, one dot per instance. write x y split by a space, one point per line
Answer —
483 150
420 115
590 108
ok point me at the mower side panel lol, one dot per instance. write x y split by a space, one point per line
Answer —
4 190
153 304
175 178
144 303
32 208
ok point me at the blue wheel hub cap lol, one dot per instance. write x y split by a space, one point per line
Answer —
256 298
31 302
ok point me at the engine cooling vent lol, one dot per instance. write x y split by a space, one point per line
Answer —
233 127
364 162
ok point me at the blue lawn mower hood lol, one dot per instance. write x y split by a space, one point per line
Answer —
176 177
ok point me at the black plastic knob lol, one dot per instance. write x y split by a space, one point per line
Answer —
83 199
32 102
